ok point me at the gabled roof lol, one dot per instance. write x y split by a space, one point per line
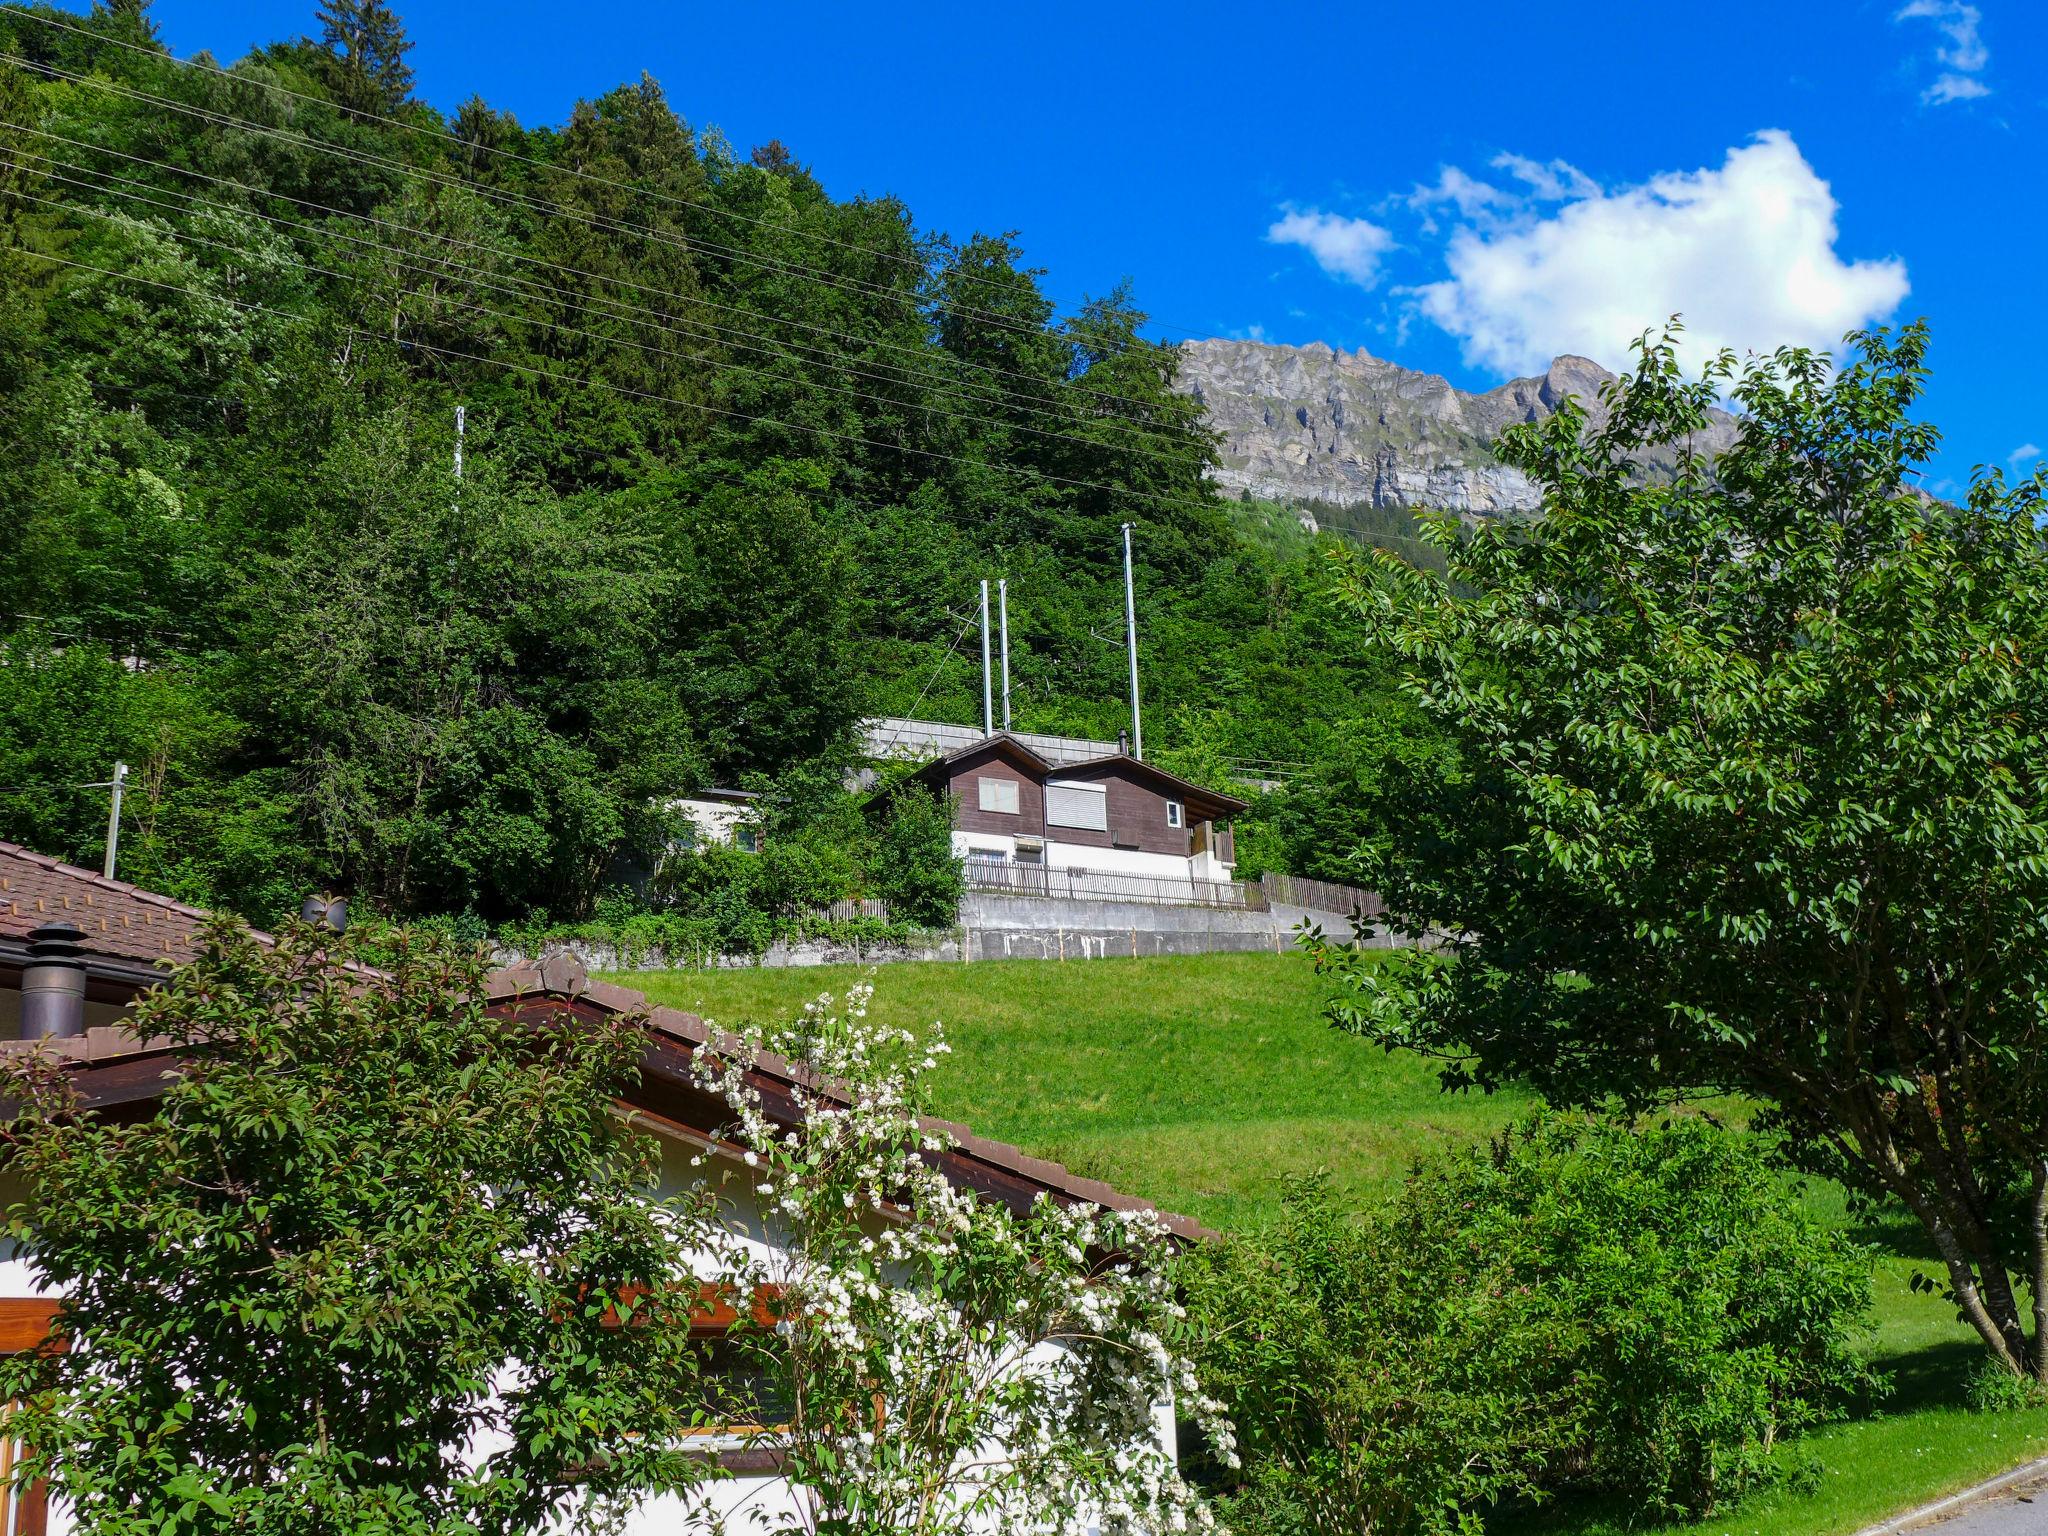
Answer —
1207 804
130 933
1198 797
119 920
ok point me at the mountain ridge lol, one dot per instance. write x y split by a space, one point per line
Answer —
1317 424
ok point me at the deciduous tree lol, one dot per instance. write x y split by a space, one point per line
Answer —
1766 751
364 1269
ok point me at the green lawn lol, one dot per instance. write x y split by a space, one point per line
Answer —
1194 1082
1201 1082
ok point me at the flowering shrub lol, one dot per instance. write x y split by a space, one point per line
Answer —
938 1361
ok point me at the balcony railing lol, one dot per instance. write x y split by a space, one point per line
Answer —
1101 885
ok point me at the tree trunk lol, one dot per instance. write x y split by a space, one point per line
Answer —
2037 1236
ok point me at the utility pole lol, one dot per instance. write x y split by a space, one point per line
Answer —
461 422
114 817
1003 602
1131 638
988 703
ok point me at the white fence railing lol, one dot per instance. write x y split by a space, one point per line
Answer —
1101 885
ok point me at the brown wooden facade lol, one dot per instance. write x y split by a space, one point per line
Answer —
1139 799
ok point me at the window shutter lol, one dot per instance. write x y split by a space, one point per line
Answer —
1085 806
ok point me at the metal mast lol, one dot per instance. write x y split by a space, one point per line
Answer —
119 782
1131 637
988 703
1003 606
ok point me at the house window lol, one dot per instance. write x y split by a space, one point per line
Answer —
999 795
747 839
1085 806
1174 815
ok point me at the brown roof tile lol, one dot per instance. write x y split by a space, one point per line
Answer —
117 918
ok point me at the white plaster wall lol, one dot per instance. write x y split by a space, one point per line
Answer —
1115 861
715 820
965 844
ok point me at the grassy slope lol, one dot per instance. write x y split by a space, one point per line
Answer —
1196 1083
1200 1082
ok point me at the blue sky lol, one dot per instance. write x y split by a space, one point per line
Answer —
1465 187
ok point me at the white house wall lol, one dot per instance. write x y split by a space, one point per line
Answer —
1091 857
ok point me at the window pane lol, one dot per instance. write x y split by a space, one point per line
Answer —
999 795
1077 805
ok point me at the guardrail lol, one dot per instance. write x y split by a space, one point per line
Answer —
1101 885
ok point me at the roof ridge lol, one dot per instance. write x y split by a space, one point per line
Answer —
102 882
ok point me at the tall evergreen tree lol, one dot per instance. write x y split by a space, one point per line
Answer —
367 42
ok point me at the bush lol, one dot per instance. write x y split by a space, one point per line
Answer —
1996 1388
916 871
1581 1306
1361 1410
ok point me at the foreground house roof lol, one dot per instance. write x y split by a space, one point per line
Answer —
132 934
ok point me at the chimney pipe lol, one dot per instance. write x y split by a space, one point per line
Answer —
53 983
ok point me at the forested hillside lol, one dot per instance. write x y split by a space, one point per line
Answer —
736 453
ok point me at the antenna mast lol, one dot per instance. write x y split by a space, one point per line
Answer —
1131 639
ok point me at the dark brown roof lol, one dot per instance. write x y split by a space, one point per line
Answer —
1196 795
137 929
991 1166
119 920
1209 802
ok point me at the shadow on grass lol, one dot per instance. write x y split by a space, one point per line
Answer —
1933 1376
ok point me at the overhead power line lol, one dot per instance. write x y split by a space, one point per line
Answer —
473 146
687 301
604 222
590 382
436 272
739 336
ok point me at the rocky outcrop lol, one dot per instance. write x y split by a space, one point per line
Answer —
1313 424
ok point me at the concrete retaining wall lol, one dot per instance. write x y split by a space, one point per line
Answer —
994 927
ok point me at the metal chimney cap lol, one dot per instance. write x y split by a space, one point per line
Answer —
325 911
57 942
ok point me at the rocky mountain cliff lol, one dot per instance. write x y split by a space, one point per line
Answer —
1313 424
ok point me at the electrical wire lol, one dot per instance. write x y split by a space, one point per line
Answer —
950 652
750 340
620 389
518 319
530 203
472 146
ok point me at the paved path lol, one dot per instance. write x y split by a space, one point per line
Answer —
2018 1507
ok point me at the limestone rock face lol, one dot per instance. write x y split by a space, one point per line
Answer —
1347 428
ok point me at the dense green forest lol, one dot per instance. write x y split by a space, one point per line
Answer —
735 455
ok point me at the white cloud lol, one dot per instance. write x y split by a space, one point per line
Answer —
1745 252
1555 182
1468 194
1964 57
1347 249
1953 87
2024 454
